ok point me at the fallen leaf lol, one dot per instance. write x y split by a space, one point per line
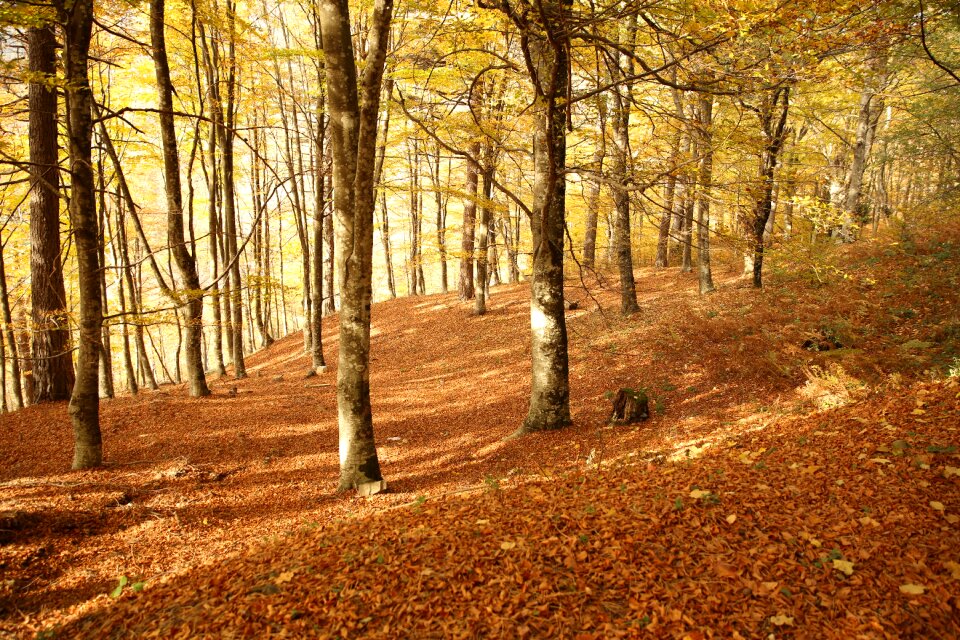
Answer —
506 545
697 494
951 471
286 576
937 506
912 589
843 566
953 568
731 518
781 620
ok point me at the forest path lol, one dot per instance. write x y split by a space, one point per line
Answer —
190 482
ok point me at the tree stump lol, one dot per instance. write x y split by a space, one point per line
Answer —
629 407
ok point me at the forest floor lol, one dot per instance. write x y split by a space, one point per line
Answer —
798 475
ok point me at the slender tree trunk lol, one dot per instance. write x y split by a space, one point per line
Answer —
192 296
441 203
622 100
10 338
320 205
663 239
773 120
866 124
481 288
465 288
353 126
106 353
52 365
115 240
229 199
593 200
705 186
330 263
84 408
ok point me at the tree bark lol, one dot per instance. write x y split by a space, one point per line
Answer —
593 200
622 99
353 111
466 288
481 287
548 66
84 408
772 114
10 338
192 295
52 366
705 180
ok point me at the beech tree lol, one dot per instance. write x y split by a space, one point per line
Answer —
52 366
353 104
191 293
84 409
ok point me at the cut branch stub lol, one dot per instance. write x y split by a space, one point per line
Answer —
629 407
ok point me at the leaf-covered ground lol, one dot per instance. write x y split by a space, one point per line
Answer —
798 476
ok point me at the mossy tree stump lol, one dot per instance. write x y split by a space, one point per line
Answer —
630 406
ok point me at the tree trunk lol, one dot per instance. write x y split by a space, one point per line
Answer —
866 125
353 126
10 338
229 201
441 204
192 296
84 406
52 366
593 200
549 68
316 276
106 353
481 288
118 261
773 114
465 288
704 193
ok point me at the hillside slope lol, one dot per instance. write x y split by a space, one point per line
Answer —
794 430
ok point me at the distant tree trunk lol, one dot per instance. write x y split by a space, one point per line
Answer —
416 209
353 126
52 366
211 169
622 68
481 289
378 177
706 183
663 239
593 199
506 230
689 201
465 288
192 296
23 346
866 124
10 338
106 353
548 66
84 408
229 198
320 205
115 241
440 200
772 113
385 239
330 263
